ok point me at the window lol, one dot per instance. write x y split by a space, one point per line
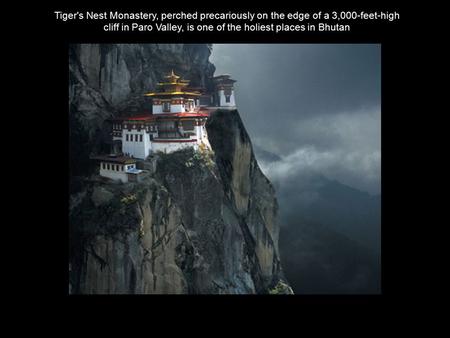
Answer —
107 166
140 138
227 98
127 137
188 125
168 135
166 107
121 168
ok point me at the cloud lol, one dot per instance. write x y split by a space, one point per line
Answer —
316 106
345 147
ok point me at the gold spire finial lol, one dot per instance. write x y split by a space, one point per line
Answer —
172 76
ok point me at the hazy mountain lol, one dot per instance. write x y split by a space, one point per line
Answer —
264 155
318 260
330 233
337 206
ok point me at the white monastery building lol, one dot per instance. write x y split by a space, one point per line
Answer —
178 119
120 168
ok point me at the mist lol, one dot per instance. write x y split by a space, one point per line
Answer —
316 106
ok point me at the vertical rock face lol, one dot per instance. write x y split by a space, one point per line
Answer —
201 223
251 193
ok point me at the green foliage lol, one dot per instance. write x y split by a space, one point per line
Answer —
206 156
141 229
279 289
129 199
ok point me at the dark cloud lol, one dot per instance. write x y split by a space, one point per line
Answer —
317 106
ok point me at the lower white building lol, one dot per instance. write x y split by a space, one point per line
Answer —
120 168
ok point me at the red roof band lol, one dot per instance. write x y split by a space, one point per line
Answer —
173 141
152 117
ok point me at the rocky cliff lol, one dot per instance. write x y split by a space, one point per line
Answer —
199 223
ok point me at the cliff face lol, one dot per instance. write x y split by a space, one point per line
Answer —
198 223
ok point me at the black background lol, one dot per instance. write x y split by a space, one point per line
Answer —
47 51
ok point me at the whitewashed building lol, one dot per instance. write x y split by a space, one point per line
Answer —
177 121
120 168
224 96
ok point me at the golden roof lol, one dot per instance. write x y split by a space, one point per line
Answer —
172 93
174 84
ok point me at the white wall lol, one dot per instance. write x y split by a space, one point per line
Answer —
201 133
169 147
202 136
136 148
222 99
198 132
113 174
157 109
176 108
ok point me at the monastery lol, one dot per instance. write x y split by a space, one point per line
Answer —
178 118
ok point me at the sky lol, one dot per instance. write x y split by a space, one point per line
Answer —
317 106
